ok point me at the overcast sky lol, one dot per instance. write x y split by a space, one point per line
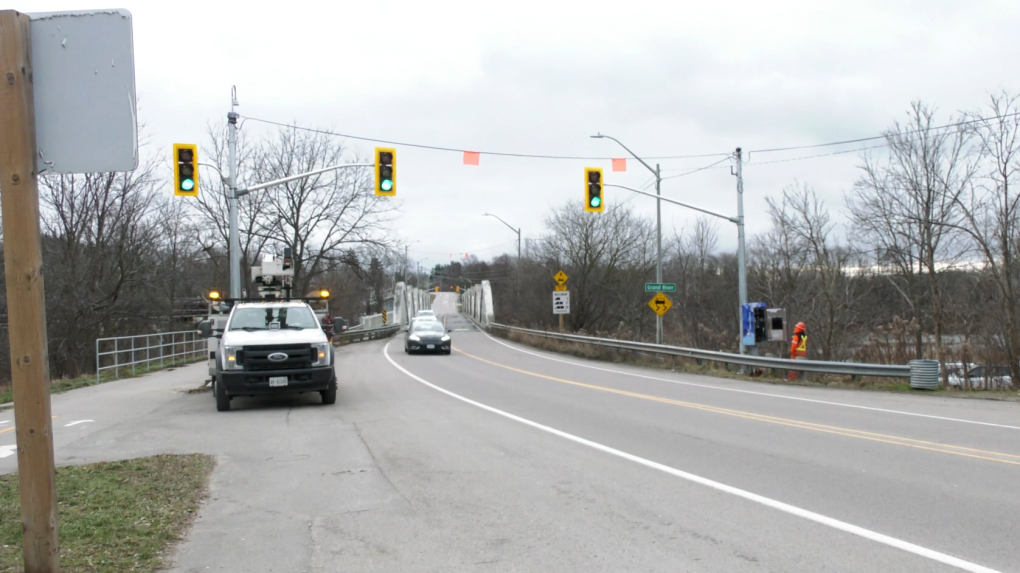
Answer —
666 78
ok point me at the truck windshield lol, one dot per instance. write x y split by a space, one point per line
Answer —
272 318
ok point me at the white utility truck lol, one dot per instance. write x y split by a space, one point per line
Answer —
272 344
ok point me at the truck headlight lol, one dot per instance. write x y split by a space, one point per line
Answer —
321 351
233 358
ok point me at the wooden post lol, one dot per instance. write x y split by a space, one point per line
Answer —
561 323
30 372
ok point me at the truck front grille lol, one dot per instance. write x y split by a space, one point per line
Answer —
257 357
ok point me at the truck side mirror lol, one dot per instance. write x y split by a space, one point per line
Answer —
205 328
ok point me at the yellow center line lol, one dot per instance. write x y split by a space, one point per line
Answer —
848 432
11 429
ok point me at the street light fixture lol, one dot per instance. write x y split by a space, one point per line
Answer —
658 222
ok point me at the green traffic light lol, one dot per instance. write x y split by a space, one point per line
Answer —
596 201
386 185
188 184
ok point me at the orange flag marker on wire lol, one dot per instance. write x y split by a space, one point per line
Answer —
471 157
619 165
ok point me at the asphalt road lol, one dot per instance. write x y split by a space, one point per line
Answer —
503 458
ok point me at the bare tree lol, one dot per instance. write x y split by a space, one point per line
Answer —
907 207
992 209
779 264
605 256
829 295
98 243
178 250
211 208
702 315
322 216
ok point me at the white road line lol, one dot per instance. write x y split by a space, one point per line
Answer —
3 422
77 422
6 451
723 388
760 499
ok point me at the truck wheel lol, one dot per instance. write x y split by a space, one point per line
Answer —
329 396
222 400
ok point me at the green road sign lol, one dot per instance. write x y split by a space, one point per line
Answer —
660 287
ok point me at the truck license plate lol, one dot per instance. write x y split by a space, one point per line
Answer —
277 380
431 346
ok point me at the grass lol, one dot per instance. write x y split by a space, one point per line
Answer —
730 371
66 384
114 516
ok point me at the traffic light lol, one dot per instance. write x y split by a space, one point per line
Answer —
385 171
186 170
593 200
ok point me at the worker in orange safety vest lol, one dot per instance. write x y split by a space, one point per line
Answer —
798 347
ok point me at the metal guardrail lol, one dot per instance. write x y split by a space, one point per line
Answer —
362 335
847 368
127 351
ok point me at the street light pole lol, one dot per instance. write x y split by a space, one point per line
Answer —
518 231
658 223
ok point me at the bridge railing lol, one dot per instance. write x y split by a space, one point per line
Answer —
846 368
146 350
362 335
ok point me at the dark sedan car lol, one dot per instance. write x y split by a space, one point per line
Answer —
427 336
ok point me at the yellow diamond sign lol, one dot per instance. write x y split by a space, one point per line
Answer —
560 277
660 303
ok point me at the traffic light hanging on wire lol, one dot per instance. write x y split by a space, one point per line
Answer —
186 170
385 171
593 199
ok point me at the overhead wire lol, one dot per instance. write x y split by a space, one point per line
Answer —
877 137
595 158
440 148
856 150
693 171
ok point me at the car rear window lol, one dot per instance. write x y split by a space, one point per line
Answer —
429 326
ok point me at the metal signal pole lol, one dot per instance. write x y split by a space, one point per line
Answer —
658 245
741 251
234 236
